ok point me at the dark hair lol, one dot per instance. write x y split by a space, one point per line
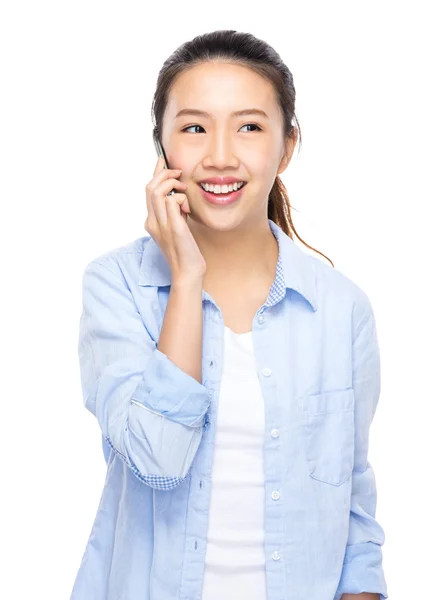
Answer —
245 49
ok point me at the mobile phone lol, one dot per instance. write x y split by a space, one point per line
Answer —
161 152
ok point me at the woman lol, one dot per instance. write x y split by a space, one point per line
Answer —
234 377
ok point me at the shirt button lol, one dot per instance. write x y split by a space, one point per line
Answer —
261 319
276 555
274 433
266 371
275 495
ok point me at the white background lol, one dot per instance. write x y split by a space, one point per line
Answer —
76 154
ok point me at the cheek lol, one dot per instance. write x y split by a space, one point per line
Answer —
260 160
182 160
264 167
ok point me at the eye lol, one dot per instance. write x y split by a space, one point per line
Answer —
252 125
247 125
190 126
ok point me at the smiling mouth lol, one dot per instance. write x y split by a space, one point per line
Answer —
222 199
220 194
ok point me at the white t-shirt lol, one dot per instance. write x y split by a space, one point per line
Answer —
235 558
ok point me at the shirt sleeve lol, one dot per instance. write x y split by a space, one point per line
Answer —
362 567
149 411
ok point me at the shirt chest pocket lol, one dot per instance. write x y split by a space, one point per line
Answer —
328 435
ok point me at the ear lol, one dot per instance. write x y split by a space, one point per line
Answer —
290 145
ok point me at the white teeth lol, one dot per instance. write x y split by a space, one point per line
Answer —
218 189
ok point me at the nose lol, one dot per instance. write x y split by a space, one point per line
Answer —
220 152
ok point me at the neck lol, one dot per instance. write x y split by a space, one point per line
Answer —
239 256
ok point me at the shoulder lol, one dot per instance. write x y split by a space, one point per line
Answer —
124 260
335 289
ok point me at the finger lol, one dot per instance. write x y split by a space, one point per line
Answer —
166 186
164 175
182 200
160 193
160 163
161 174
158 168
175 216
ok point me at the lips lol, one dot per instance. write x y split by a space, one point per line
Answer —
222 199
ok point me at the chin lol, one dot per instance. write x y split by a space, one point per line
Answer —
214 221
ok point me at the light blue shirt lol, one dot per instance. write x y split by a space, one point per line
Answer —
318 361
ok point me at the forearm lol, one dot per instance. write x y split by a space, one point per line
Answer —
181 332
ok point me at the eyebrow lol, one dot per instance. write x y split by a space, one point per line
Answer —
237 113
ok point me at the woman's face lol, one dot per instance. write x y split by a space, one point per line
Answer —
248 147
